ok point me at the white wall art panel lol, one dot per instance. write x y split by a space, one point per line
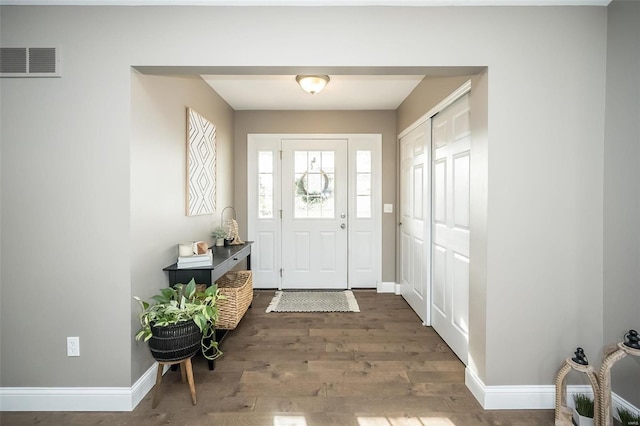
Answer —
201 165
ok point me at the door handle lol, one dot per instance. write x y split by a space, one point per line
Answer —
342 225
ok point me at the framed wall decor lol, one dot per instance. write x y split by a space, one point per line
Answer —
201 164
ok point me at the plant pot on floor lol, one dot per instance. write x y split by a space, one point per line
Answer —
175 342
579 420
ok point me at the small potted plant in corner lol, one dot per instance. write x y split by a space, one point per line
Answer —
219 234
627 418
583 411
180 322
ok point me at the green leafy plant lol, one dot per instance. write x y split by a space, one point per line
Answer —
584 405
219 232
627 418
182 303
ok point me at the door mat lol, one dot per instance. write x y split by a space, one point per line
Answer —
313 301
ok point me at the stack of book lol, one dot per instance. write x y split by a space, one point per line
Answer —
196 261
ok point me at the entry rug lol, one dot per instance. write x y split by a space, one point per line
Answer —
313 301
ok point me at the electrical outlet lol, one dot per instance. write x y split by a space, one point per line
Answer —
73 346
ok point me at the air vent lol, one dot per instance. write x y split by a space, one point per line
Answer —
29 62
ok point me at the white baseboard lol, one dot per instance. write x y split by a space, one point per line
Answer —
541 397
78 399
510 397
386 287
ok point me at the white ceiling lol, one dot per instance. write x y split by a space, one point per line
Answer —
344 92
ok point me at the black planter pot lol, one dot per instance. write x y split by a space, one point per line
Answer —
175 342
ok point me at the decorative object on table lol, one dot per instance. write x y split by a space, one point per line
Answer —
613 355
201 165
219 233
185 249
237 287
192 248
632 340
233 233
168 324
563 413
200 247
196 260
313 301
584 410
580 357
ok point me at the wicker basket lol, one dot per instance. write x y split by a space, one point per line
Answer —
238 289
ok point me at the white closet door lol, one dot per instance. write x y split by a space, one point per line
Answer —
450 216
414 218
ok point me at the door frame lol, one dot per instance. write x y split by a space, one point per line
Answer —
447 101
265 274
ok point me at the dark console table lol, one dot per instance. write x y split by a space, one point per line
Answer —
224 258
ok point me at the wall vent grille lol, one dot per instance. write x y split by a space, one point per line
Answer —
29 62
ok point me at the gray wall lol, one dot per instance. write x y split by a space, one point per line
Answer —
158 180
425 96
382 122
622 190
545 155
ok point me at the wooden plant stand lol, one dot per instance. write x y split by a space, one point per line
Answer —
613 355
185 370
563 412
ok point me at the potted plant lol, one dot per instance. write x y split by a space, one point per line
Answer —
180 322
627 418
219 234
584 410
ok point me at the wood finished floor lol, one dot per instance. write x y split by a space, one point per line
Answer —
376 367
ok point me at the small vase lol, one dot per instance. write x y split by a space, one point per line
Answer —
219 242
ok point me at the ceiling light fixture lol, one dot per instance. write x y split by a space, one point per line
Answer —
312 83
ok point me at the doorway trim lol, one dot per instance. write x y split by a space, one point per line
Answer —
267 232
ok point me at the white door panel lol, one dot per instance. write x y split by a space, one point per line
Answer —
450 249
263 177
415 227
314 211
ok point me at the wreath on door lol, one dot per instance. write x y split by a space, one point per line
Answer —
311 198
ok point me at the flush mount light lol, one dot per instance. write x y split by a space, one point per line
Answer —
312 83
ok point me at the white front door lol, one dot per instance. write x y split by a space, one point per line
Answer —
314 214
415 218
450 215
